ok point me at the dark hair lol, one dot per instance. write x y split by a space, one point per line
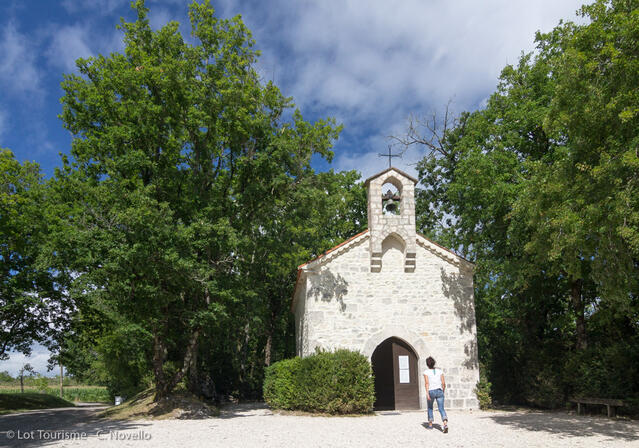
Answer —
430 362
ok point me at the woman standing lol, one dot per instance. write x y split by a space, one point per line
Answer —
435 387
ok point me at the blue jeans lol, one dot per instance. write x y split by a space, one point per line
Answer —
436 394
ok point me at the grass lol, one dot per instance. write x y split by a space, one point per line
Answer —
11 402
92 394
181 404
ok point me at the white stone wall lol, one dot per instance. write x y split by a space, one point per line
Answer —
301 335
340 303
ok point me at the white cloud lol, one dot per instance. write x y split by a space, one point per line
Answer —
158 17
106 7
69 43
371 158
18 71
38 360
369 63
100 6
375 62
373 56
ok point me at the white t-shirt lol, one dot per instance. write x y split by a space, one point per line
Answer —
434 378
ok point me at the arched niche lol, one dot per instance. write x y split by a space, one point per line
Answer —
393 252
391 197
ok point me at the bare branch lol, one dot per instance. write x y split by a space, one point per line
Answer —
429 132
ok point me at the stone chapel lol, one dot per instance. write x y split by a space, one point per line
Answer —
396 297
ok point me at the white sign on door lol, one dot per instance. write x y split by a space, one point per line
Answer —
404 371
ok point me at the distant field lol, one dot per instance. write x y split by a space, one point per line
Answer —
92 394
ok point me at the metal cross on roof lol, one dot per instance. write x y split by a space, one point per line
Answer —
389 155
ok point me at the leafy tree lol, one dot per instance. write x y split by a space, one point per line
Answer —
5 377
41 383
180 155
29 298
25 370
323 211
540 188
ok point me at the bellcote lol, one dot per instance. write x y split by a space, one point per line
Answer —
391 214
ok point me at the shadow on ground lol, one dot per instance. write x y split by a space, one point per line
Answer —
243 410
436 427
41 428
570 425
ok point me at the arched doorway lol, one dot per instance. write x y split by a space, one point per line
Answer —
394 365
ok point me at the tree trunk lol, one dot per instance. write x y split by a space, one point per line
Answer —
21 383
579 310
158 368
268 348
189 358
275 307
194 377
61 380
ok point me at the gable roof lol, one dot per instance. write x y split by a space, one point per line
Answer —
450 254
428 244
367 181
333 249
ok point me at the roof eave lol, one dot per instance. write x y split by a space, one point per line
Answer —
392 168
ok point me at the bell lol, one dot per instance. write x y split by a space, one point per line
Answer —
391 206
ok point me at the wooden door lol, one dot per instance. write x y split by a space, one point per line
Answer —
406 378
396 378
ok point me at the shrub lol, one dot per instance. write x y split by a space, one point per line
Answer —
544 389
483 389
41 383
605 372
339 382
280 389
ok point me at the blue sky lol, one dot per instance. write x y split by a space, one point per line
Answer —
368 63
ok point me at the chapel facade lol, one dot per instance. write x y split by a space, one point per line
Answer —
396 297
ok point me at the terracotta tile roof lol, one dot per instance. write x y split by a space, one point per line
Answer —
299 268
332 249
444 248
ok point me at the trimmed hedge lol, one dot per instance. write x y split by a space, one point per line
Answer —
339 382
280 389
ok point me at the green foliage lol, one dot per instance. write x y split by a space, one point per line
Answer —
184 208
339 382
5 377
483 390
30 302
540 189
125 356
84 394
25 371
41 383
604 371
281 388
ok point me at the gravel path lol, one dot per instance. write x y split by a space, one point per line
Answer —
255 426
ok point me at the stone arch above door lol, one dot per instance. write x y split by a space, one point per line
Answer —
409 337
397 377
